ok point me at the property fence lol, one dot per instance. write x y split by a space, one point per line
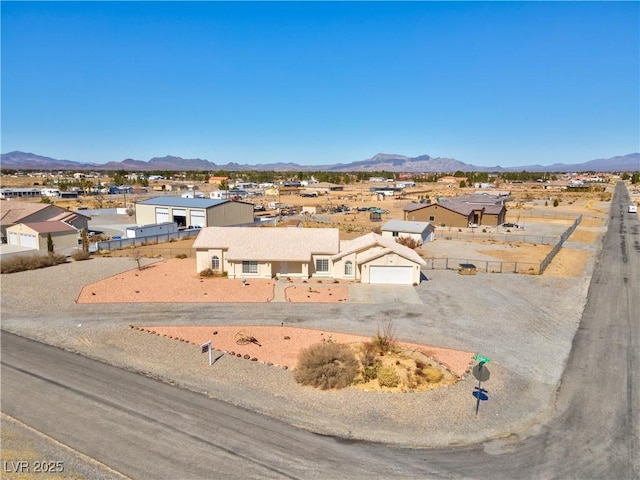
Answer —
486 266
142 241
545 263
498 237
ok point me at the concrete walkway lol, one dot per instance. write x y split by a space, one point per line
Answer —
365 293
278 291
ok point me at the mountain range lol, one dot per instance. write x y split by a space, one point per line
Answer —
381 162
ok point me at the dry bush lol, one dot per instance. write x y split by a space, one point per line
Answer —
207 272
432 374
409 242
80 255
31 262
385 340
370 363
327 365
181 256
388 377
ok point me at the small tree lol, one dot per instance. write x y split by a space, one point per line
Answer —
85 240
137 256
49 243
555 202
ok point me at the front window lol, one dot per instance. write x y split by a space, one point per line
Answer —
249 266
348 268
322 265
395 234
432 218
215 263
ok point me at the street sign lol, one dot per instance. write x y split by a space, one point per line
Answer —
481 359
206 347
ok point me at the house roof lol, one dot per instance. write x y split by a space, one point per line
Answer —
17 212
184 202
270 244
13 212
370 240
464 204
406 226
50 227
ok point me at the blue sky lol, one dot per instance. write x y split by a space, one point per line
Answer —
487 83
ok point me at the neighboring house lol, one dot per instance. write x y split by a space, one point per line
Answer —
421 232
195 212
244 252
13 213
34 235
463 211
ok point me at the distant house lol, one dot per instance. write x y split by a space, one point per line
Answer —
421 232
244 252
19 192
35 235
463 211
13 213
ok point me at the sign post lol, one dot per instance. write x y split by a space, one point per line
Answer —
480 393
206 347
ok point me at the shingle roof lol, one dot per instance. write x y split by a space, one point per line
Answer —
13 212
406 226
50 227
373 239
270 244
184 202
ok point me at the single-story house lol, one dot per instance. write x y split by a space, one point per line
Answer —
195 212
244 252
464 211
34 235
13 213
421 232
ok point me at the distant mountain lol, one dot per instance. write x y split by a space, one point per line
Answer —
381 161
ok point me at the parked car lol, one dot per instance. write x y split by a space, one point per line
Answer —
510 225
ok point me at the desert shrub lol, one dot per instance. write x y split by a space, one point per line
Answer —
555 202
432 374
409 242
181 256
388 377
207 272
385 338
370 363
31 262
80 255
327 365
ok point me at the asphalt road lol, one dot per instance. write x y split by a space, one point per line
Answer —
147 429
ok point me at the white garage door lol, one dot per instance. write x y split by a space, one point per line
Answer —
162 215
392 275
27 240
198 218
13 238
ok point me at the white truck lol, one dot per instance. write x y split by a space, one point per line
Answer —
633 209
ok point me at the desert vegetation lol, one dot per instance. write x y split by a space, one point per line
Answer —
31 262
380 364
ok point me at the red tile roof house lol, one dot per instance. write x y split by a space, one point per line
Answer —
34 235
247 252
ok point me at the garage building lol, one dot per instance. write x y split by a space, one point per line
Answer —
193 212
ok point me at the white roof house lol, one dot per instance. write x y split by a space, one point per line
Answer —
304 253
421 232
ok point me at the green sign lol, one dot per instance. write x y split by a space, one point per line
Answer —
481 359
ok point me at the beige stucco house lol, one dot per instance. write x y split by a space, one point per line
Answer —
34 235
245 252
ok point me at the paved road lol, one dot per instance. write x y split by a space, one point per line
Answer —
106 413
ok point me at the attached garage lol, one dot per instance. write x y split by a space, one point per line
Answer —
28 240
391 275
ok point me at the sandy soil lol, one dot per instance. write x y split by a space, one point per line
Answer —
176 281
280 345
